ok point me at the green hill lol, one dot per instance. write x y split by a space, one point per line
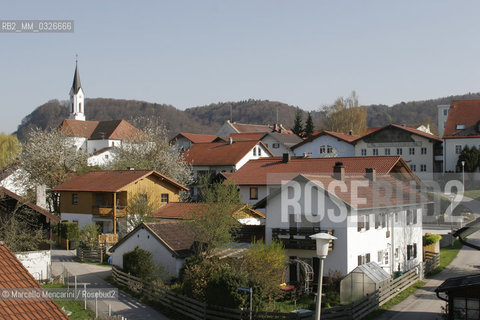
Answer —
207 119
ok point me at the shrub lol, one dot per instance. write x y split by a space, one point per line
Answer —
430 238
68 230
89 236
139 263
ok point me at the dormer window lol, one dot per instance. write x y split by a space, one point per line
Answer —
460 126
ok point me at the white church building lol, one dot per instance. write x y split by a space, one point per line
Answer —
97 138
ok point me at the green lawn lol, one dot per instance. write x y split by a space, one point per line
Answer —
447 254
474 194
75 307
402 296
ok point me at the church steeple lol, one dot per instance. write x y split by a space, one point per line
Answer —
77 97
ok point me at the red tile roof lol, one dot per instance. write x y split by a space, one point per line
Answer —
184 210
23 202
220 153
375 194
14 275
110 180
196 137
99 130
465 112
175 235
272 170
244 127
345 137
247 135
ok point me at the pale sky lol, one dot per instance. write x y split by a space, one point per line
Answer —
191 53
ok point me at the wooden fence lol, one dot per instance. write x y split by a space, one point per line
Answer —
192 308
95 254
431 261
196 310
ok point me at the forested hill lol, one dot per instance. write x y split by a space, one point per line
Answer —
207 119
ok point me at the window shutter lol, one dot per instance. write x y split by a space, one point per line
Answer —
360 260
414 217
414 250
409 251
367 222
367 258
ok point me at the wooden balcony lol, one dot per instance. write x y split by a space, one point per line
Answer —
299 238
106 211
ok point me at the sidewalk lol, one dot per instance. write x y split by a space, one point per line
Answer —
424 304
94 276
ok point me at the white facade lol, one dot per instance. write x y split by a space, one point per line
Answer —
77 104
442 115
418 154
101 159
380 244
38 263
326 146
452 149
275 146
161 255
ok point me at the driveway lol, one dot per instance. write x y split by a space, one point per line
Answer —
424 304
94 276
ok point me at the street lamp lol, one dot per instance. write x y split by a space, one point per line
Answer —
463 175
323 241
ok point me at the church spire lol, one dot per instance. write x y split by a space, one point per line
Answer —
76 79
77 97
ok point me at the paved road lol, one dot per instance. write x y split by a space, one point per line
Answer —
424 304
94 276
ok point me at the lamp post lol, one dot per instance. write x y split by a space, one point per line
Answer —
323 240
463 175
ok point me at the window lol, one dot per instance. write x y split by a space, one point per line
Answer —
396 216
375 152
259 151
362 259
466 308
411 151
363 223
424 150
364 152
322 149
458 149
254 151
276 145
423 167
75 198
113 144
142 197
414 167
396 253
164 197
380 257
411 251
460 126
253 193
80 107
329 149
387 151
445 112
380 220
414 214
399 151
367 258
411 217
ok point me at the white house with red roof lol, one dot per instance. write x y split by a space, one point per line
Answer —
258 178
327 144
422 151
369 224
461 129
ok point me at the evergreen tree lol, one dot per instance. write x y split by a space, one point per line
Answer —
298 125
471 158
309 126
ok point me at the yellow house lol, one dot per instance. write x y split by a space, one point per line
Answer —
102 197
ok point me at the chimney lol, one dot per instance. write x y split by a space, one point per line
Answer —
350 132
371 174
230 140
339 171
286 157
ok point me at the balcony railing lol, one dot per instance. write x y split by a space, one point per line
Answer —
106 211
299 238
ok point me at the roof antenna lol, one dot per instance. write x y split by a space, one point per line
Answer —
277 114
76 58
231 113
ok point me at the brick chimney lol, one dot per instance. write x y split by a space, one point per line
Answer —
371 174
339 171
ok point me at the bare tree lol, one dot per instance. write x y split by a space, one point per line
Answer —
345 114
